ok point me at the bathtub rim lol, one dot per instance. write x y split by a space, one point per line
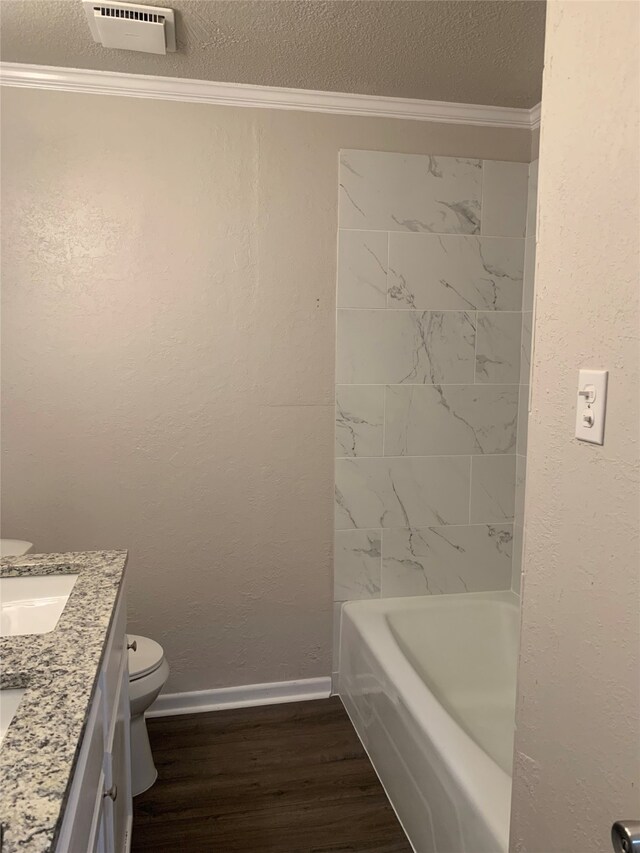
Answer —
482 782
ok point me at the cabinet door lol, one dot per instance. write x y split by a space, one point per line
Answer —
104 822
115 651
118 772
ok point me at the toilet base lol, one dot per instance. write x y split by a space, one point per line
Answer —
143 770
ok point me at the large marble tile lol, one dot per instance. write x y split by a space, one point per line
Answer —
498 347
337 615
525 347
516 568
443 272
394 347
532 198
402 492
523 420
357 564
424 420
521 478
493 488
504 198
362 269
359 420
409 192
430 561
528 279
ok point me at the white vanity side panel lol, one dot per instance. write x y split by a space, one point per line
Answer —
78 822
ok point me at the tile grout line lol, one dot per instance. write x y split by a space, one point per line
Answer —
456 525
424 385
381 529
470 484
384 391
437 310
501 523
436 456
478 235
482 196
386 301
475 355
384 421
335 408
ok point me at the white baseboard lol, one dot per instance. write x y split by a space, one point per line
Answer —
245 696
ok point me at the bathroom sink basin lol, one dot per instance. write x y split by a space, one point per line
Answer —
33 605
9 701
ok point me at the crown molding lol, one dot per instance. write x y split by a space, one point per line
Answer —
89 81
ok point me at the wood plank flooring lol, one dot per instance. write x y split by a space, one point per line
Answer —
280 779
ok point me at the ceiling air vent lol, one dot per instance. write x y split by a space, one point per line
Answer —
128 26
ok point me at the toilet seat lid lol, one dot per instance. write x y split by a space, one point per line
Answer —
147 657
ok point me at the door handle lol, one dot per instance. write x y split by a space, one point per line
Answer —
625 836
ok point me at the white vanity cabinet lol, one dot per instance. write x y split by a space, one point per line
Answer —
98 814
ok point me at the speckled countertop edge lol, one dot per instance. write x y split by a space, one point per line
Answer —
59 671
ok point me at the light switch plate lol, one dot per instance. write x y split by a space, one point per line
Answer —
591 405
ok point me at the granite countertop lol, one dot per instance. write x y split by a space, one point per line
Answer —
59 671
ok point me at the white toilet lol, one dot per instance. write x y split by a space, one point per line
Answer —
148 671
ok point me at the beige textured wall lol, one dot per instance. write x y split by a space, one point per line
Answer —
578 716
169 312
376 48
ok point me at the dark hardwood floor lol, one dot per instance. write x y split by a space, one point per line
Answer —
280 779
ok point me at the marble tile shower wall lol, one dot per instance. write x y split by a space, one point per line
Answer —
431 256
525 370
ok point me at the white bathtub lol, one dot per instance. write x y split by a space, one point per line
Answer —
430 685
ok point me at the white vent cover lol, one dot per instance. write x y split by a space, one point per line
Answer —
128 26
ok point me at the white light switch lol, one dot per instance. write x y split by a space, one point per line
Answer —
592 405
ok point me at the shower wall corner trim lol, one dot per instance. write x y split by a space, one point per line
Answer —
91 81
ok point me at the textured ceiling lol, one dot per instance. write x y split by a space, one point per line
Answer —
478 52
